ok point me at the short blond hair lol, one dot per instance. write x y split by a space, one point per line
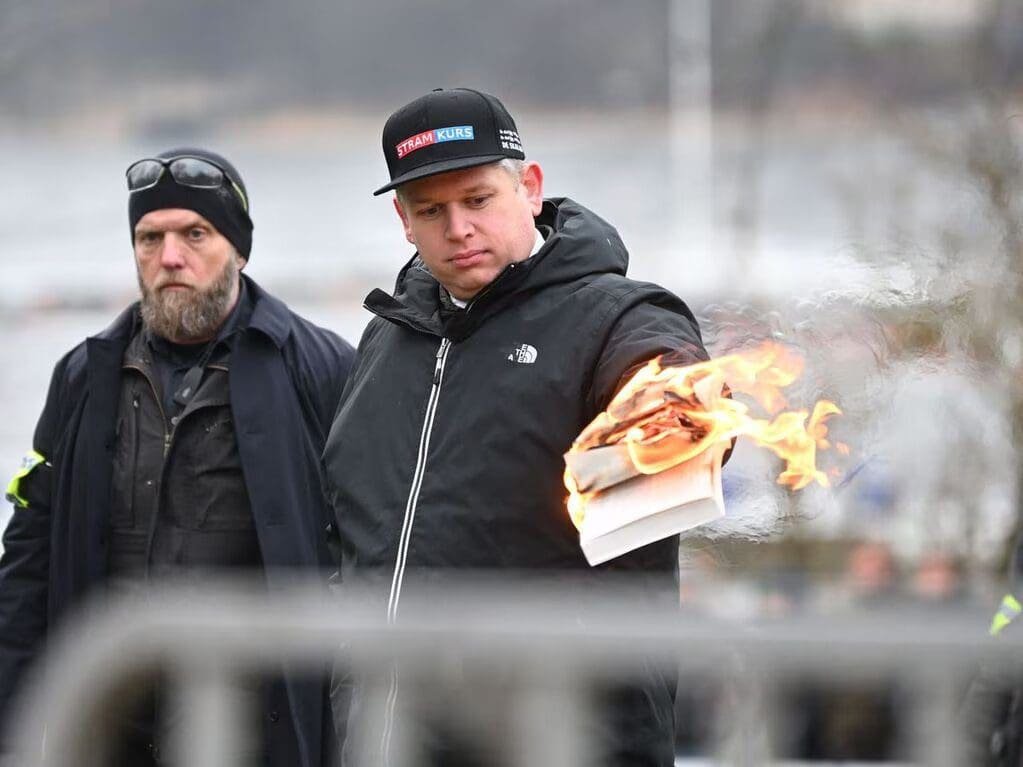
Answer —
513 167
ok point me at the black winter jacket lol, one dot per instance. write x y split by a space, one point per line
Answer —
446 451
286 375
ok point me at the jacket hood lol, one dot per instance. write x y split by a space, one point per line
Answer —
579 244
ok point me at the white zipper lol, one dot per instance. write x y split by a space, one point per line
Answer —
417 483
406 532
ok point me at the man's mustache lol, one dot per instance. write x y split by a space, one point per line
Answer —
171 283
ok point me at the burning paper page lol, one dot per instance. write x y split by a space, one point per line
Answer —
650 465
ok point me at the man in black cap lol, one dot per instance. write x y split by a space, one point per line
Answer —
509 330
181 441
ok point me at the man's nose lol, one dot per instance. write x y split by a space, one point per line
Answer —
172 255
459 223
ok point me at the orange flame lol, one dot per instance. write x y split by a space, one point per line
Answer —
667 415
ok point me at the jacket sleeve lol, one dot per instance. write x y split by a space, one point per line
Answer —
24 566
324 361
653 322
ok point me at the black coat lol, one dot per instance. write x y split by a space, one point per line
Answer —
446 452
286 375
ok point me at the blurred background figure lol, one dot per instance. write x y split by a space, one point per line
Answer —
850 719
938 580
870 575
992 710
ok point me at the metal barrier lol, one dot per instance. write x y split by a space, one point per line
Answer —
207 641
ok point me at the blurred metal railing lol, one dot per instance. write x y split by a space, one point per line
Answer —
205 642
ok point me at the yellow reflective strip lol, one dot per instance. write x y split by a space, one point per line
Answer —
29 462
241 195
998 623
1007 611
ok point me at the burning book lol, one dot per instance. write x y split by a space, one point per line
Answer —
650 465
646 508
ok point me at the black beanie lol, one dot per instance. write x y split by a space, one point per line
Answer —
221 207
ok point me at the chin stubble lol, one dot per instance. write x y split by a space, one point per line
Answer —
189 315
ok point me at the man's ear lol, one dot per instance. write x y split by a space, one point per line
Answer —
404 220
532 180
241 261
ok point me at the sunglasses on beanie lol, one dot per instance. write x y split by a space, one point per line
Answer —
194 172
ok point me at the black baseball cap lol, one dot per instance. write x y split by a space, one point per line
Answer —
447 129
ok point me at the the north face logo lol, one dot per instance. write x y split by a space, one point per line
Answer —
525 354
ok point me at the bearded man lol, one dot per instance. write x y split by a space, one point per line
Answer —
182 440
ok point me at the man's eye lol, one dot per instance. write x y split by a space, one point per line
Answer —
478 202
148 238
430 212
196 233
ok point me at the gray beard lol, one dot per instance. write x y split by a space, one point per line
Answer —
189 316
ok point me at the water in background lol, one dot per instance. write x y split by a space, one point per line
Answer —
823 199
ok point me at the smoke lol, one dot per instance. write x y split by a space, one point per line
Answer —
846 352
756 508
851 343
926 413
945 434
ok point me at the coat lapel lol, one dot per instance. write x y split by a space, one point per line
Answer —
95 449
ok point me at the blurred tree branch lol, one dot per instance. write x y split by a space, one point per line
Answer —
984 318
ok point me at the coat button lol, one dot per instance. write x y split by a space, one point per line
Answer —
174 421
329 528
275 717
